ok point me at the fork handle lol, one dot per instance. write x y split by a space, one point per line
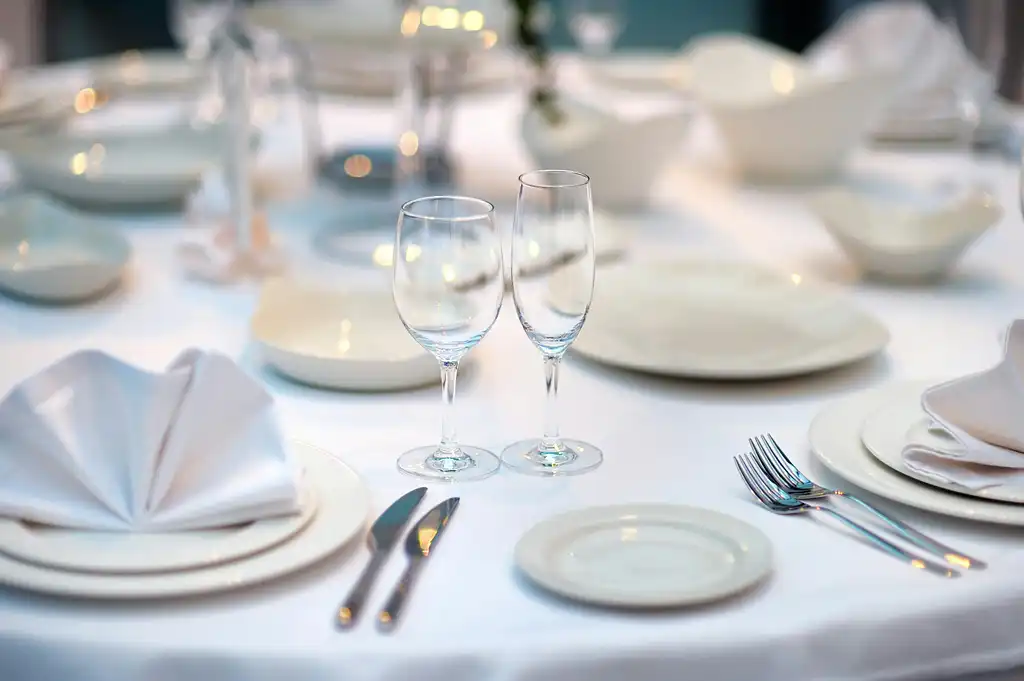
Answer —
918 538
887 546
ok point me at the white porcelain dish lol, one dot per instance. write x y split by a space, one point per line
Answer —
344 504
905 234
622 157
132 167
885 433
144 73
835 438
642 75
51 254
779 119
130 552
342 340
721 320
644 555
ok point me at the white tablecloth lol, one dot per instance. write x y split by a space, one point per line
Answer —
833 610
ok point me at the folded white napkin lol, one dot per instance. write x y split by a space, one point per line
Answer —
975 438
94 443
905 34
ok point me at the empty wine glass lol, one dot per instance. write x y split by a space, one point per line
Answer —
595 25
552 284
194 22
448 285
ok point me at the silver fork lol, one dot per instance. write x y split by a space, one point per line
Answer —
778 501
786 475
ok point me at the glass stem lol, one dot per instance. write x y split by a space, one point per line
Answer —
551 442
449 372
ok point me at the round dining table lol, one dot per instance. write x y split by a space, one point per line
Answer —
833 608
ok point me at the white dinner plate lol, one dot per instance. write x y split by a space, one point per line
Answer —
344 340
137 552
341 514
52 254
885 434
152 72
116 167
644 555
721 320
835 438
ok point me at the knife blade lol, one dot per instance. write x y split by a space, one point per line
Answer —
382 538
419 544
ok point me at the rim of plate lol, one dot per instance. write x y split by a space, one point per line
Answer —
339 520
533 548
835 441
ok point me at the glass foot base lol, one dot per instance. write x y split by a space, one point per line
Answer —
574 458
427 462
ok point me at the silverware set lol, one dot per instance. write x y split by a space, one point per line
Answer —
420 541
779 486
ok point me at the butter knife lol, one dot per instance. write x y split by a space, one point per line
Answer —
382 538
419 543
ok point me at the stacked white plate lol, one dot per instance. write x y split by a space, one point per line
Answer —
721 320
111 565
861 439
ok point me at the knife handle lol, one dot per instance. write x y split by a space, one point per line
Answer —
387 620
349 611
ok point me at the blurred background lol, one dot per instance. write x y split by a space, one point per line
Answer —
58 30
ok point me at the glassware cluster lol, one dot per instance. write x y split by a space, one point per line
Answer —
448 285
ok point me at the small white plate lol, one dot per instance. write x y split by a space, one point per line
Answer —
153 72
337 339
885 434
644 555
344 504
835 438
51 254
131 552
721 320
643 74
116 167
904 233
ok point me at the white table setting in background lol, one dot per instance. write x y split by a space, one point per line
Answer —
474 616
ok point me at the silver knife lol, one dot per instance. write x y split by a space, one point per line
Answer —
419 543
382 538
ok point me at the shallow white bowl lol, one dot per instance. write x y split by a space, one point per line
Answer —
55 255
343 340
779 119
622 157
134 166
902 233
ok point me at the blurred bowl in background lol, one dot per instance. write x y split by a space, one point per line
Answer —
779 119
622 157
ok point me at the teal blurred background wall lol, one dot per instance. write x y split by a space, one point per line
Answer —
667 24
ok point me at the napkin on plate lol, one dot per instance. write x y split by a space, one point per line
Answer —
975 437
905 34
94 443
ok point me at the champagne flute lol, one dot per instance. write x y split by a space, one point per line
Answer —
448 285
552 284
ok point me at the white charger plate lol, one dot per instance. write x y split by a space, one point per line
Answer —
344 504
343 340
130 552
885 434
644 555
721 320
52 254
835 438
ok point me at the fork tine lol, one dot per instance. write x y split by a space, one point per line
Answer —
768 488
778 474
786 476
782 455
750 483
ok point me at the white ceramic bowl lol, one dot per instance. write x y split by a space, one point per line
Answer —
51 254
779 119
623 158
343 340
129 167
904 234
